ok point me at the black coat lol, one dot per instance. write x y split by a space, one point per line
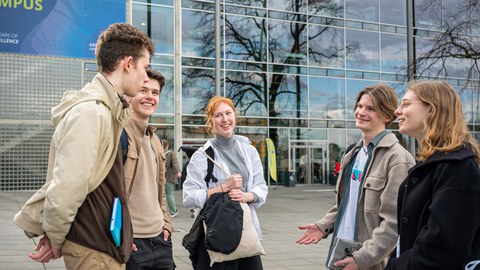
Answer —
439 213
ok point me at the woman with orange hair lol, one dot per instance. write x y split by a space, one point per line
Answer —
238 171
439 201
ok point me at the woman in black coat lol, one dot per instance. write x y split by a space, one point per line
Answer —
439 201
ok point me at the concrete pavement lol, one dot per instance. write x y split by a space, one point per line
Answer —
285 210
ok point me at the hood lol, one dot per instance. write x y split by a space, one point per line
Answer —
99 90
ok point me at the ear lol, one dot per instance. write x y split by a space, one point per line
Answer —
127 63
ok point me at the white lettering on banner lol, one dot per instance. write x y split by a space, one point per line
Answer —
9 40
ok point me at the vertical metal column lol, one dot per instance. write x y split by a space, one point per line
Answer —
411 55
218 52
177 74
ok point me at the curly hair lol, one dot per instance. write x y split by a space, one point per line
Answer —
118 41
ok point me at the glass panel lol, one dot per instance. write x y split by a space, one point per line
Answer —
161 2
326 46
331 8
425 66
287 42
249 3
393 12
365 10
289 5
353 87
279 137
288 96
245 38
247 91
167 96
428 14
363 50
147 18
198 87
393 53
198 32
470 111
353 136
327 98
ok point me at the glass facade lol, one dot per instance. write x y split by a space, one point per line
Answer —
292 67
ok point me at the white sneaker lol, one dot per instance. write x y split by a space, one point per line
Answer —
175 214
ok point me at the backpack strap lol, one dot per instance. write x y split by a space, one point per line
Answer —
124 145
209 176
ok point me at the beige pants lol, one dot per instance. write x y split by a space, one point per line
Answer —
77 257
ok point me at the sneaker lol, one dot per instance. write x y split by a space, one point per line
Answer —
192 213
175 214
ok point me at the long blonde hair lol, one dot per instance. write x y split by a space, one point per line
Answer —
445 129
212 105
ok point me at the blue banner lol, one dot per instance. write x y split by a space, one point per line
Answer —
67 28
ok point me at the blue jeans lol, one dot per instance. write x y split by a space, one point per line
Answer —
169 188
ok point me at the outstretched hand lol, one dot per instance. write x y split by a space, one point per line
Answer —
312 236
45 251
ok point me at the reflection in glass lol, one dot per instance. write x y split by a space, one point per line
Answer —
365 10
249 3
198 33
326 46
327 98
288 96
393 12
147 18
247 91
287 42
288 5
197 89
363 50
428 14
167 96
330 8
245 38
427 67
393 53
353 87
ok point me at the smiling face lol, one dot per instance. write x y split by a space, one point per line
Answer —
412 115
223 120
145 103
367 119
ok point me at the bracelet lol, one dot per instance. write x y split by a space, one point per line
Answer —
221 186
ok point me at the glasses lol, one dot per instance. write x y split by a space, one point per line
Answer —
405 104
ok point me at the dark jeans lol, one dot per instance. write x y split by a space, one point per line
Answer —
152 253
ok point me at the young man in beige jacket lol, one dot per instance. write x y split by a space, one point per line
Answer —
145 182
73 209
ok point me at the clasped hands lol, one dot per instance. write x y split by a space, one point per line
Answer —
233 186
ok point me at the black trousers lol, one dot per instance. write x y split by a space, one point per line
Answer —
250 263
152 253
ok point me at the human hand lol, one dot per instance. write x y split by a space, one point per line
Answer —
233 182
166 234
312 235
179 174
46 251
240 196
348 263
134 247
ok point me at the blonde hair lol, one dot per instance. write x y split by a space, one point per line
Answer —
445 129
212 105
385 100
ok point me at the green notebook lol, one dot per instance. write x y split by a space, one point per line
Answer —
116 222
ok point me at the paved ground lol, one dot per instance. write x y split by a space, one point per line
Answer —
286 208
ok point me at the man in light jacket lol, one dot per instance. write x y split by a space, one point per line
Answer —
85 173
367 186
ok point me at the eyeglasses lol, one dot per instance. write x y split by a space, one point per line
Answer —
405 104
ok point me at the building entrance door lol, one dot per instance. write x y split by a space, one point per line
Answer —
309 161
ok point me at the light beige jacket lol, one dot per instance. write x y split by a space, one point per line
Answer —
377 214
88 125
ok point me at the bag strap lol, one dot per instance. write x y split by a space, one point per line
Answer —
124 145
209 176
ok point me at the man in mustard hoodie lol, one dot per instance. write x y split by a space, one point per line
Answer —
73 209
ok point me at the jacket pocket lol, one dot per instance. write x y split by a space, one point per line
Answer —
373 188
